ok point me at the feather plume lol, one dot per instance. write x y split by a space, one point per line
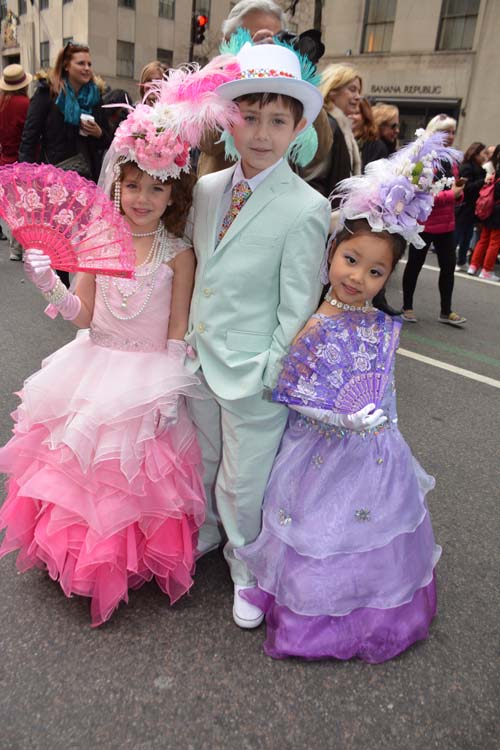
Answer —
230 149
303 148
236 41
396 195
158 137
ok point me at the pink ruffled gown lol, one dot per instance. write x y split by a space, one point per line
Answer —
95 495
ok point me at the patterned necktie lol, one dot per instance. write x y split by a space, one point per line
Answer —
240 194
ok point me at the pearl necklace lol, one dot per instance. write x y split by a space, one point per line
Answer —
158 254
367 307
144 234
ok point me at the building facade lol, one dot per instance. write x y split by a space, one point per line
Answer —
426 57
123 35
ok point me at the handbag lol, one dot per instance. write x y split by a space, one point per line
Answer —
77 163
486 201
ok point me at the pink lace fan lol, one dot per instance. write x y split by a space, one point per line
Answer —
67 217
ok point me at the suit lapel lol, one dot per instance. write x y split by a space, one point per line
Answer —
270 188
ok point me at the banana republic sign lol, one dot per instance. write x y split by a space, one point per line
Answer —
406 90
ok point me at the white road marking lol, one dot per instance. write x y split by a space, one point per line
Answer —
458 274
450 368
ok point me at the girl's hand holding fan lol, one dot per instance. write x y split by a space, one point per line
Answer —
67 217
38 270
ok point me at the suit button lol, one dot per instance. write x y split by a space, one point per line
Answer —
207 292
201 328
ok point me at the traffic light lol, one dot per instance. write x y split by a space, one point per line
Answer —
199 28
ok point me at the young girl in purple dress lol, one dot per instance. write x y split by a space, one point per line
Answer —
345 562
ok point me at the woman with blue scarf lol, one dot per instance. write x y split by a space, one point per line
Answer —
54 131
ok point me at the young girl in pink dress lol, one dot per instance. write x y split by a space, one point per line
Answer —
105 489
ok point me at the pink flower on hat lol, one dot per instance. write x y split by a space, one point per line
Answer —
158 137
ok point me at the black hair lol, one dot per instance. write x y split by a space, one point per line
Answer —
352 227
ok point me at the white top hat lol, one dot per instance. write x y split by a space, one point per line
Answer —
274 69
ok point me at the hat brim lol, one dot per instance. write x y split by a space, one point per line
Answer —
16 86
305 92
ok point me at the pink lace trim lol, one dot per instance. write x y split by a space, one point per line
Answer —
123 344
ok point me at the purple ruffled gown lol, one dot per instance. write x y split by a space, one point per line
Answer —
345 559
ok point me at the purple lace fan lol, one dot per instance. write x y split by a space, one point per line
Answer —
342 364
360 390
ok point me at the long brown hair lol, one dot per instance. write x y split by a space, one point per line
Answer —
57 75
369 131
474 150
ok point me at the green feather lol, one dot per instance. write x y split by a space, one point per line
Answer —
229 147
302 150
235 42
307 68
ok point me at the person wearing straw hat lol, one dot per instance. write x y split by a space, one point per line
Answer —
259 233
14 103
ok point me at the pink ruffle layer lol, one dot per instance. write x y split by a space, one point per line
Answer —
96 532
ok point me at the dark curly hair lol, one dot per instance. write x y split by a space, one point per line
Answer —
175 216
361 226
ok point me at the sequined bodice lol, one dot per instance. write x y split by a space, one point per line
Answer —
133 314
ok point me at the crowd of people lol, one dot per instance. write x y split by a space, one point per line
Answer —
239 389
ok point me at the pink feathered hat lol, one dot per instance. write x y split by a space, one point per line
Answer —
159 137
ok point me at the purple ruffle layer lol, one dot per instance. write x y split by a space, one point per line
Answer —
373 635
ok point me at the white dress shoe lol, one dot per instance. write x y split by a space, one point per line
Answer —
245 615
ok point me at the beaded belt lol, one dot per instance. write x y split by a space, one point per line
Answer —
125 345
329 430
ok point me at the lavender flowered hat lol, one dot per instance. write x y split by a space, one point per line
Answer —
396 195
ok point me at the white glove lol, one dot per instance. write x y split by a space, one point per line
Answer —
366 418
178 350
38 270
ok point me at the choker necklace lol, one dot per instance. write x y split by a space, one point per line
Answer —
367 307
145 234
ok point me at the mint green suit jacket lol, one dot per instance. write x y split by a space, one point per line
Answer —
256 289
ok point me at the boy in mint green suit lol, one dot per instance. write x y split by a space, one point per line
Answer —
259 233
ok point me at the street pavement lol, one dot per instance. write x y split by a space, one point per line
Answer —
158 677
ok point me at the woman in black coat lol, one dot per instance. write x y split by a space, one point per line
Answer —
341 89
473 175
53 131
